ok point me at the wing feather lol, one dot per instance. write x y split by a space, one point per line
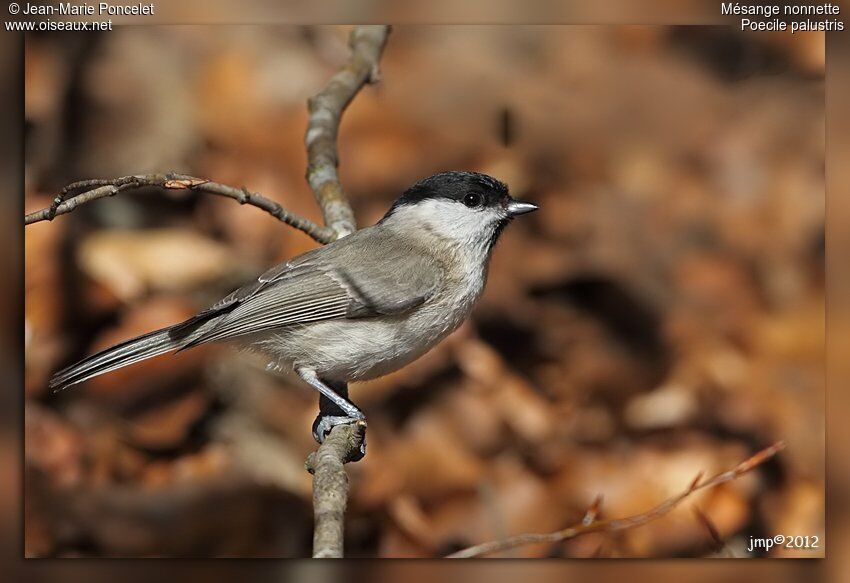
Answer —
342 280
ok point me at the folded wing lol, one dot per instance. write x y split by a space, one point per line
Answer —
364 275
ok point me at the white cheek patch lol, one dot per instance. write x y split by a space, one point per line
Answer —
449 219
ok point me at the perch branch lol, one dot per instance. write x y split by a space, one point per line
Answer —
326 107
590 524
330 487
90 190
330 482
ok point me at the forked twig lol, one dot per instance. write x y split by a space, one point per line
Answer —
330 482
326 108
590 524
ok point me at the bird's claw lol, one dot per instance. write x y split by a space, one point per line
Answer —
323 425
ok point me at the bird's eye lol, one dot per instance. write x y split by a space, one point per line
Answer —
472 200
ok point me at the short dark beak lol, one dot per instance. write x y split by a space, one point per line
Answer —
519 207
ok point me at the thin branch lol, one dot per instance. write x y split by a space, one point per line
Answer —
326 107
590 524
330 482
90 190
330 486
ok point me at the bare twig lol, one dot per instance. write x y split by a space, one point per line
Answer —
90 190
330 486
326 107
593 525
330 482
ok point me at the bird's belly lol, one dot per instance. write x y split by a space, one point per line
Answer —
362 349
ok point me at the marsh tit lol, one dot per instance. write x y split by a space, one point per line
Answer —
358 308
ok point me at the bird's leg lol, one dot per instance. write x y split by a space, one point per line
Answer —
330 413
334 406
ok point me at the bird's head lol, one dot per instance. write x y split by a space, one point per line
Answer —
466 208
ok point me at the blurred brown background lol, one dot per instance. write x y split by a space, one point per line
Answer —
662 315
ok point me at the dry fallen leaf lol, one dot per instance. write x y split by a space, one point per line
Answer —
132 263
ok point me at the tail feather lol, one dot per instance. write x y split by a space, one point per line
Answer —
129 352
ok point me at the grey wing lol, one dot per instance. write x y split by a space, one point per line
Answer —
238 297
351 281
389 288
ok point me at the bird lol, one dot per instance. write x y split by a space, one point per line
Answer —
358 308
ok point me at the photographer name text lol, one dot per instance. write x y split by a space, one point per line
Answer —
99 9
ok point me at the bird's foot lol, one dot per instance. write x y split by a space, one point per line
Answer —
323 425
